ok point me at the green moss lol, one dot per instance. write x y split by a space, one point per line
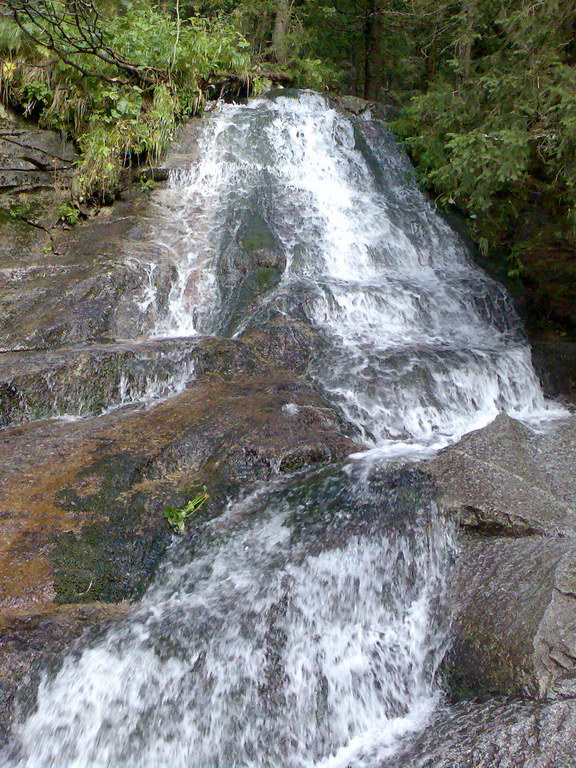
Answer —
114 557
255 234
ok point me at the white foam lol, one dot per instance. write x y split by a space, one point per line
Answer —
420 346
257 652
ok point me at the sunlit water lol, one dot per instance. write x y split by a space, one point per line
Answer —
420 346
305 626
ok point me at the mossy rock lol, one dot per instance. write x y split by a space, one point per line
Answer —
114 557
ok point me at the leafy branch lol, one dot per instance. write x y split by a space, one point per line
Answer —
74 29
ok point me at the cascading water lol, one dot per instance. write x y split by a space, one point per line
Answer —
419 345
301 629
304 626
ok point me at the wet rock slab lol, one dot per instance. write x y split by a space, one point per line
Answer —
505 479
496 734
30 157
515 617
513 592
82 503
80 285
93 378
106 278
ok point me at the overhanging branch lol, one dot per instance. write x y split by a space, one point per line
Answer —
74 29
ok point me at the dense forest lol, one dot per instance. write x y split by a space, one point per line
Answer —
484 90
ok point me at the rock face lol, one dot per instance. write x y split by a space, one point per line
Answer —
82 502
84 285
107 278
85 380
514 583
513 592
515 617
31 158
496 734
504 479
36 170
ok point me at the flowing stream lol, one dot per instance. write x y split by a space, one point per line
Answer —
304 626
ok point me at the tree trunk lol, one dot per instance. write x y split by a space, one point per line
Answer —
464 44
281 24
373 31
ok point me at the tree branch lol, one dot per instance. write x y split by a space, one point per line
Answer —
76 32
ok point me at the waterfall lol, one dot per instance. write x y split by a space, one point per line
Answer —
305 625
419 345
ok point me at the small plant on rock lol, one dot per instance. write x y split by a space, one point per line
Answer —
177 516
69 214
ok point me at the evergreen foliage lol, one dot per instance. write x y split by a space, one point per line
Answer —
494 133
121 108
486 91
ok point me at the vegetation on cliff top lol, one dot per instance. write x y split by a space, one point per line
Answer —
114 79
486 92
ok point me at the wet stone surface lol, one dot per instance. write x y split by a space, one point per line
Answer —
515 617
82 503
507 480
496 734
513 592
104 479
89 379
30 642
83 285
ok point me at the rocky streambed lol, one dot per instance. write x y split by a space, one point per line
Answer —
105 423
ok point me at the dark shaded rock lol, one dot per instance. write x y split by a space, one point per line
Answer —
282 330
21 236
333 504
514 583
504 479
497 734
32 158
515 617
555 363
353 104
36 170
